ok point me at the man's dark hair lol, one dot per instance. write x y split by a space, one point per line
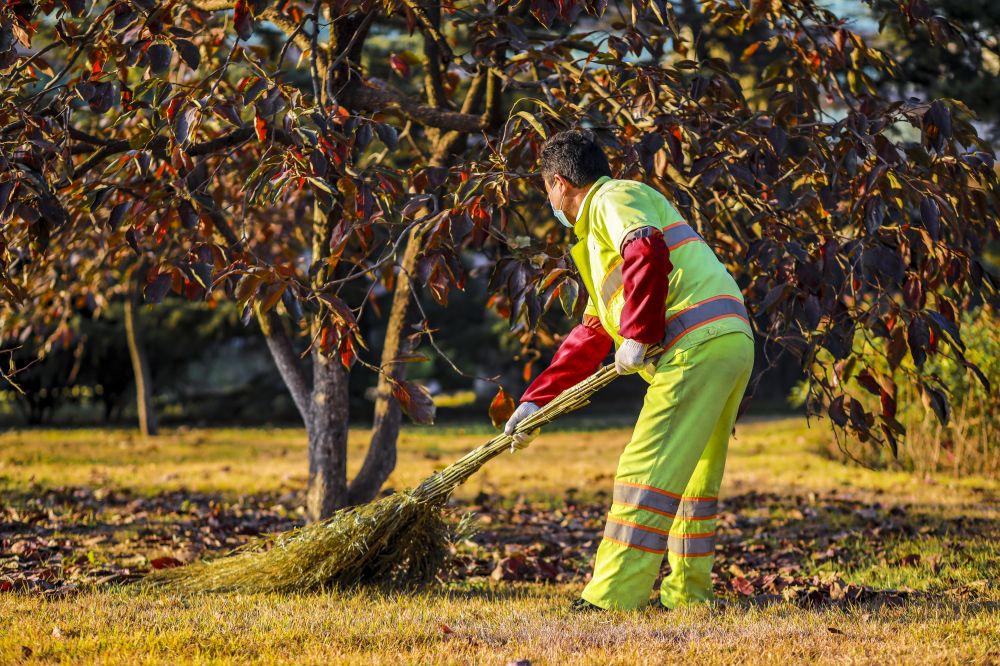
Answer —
575 155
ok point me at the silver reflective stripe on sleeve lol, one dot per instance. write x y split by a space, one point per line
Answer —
674 236
692 545
697 315
636 536
678 234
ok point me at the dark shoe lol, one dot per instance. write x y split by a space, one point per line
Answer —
583 606
658 605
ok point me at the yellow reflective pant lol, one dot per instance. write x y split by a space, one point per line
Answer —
667 485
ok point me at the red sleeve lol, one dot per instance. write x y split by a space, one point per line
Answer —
578 357
645 277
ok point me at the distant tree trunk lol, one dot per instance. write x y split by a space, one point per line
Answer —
381 457
140 362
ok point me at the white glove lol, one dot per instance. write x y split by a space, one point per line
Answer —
629 357
522 439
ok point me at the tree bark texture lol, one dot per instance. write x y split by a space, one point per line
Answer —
140 361
327 432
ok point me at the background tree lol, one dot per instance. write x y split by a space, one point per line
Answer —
949 49
298 175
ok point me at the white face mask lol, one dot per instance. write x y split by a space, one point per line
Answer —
560 215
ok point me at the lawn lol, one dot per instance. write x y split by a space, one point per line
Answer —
822 562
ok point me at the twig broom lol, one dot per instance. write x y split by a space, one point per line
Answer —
398 540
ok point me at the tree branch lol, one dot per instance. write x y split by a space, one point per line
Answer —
296 33
358 34
229 140
431 29
434 78
299 36
367 98
448 141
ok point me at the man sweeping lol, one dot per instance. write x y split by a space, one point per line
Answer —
651 280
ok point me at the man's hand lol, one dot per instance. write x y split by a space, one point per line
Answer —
521 439
629 357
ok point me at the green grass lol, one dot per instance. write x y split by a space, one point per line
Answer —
934 537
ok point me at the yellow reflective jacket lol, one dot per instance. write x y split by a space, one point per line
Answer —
703 299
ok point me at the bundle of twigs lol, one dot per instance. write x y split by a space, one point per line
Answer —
399 540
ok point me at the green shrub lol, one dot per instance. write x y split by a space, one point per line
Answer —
970 442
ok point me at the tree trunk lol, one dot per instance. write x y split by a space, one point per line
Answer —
140 362
327 430
381 457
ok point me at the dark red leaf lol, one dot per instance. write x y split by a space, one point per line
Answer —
501 408
866 380
936 399
243 20
930 215
165 563
742 586
837 411
918 337
387 134
913 292
897 347
156 290
189 52
400 66
415 401
260 127
159 55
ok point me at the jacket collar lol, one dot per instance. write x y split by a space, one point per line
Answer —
581 224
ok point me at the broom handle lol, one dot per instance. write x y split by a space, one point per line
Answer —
440 485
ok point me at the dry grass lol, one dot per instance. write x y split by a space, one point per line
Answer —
956 621
481 627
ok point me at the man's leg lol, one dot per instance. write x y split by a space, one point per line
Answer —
682 406
691 544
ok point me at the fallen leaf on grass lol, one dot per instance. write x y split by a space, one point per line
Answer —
742 585
165 563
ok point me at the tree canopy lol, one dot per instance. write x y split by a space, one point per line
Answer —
275 154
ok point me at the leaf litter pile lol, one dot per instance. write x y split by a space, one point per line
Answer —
57 541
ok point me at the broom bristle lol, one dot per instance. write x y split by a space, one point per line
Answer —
397 541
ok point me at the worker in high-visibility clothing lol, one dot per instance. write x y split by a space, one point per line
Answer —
651 279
